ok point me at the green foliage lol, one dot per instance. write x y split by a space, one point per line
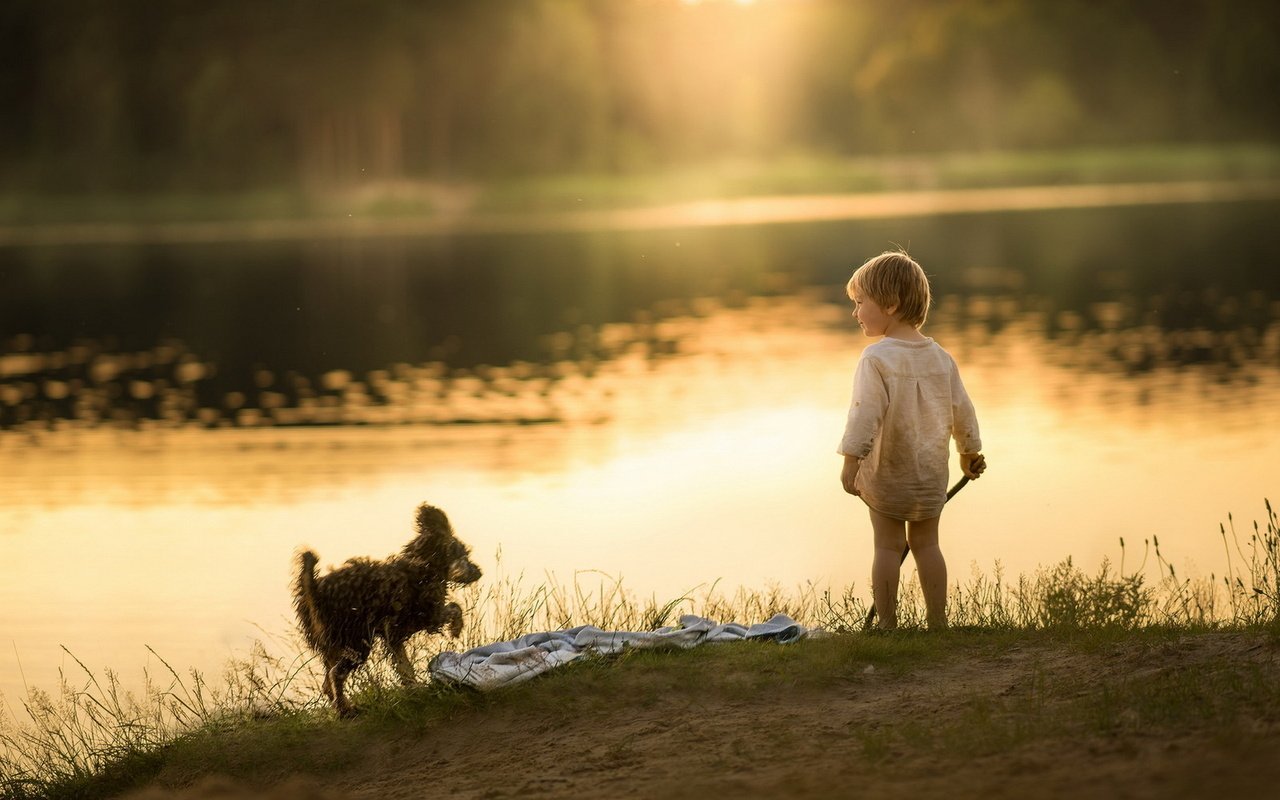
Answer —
1072 600
239 94
1254 592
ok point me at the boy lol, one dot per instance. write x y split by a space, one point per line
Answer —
908 402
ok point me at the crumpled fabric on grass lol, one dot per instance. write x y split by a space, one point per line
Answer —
506 663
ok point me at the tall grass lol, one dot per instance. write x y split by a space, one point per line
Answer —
92 727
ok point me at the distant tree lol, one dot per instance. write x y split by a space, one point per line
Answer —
239 94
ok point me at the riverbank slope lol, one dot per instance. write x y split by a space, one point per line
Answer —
1154 713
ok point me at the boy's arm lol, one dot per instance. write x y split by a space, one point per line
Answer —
964 422
849 474
866 410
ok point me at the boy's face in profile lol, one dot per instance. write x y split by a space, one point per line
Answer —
873 319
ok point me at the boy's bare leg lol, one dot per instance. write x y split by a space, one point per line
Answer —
891 537
932 568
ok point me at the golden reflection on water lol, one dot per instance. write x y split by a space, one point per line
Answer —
701 450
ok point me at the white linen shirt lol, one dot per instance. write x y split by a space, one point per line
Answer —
908 402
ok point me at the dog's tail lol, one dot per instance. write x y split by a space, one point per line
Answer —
304 601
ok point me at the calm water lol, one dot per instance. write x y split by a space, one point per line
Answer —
657 406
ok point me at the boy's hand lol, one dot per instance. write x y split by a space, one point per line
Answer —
972 465
849 475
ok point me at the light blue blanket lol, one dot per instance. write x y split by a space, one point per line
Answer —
506 663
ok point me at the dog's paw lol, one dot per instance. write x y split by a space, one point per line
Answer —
348 711
453 616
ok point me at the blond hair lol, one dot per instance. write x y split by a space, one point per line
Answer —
893 280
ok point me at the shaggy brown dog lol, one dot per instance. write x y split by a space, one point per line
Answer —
343 612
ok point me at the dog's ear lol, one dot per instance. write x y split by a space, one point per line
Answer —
431 520
431 544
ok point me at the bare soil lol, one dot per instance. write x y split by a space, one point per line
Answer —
1026 721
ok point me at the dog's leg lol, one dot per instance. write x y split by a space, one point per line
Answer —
337 679
328 679
400 660
452 617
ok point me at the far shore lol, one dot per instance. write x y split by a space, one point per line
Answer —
757 210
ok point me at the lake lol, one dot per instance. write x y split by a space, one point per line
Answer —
657 406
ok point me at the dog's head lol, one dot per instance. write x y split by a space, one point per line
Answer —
461 567
437 545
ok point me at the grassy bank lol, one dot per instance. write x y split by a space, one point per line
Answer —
1044 690
1057 657
797 174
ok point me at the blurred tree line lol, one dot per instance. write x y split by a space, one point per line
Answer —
241 94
